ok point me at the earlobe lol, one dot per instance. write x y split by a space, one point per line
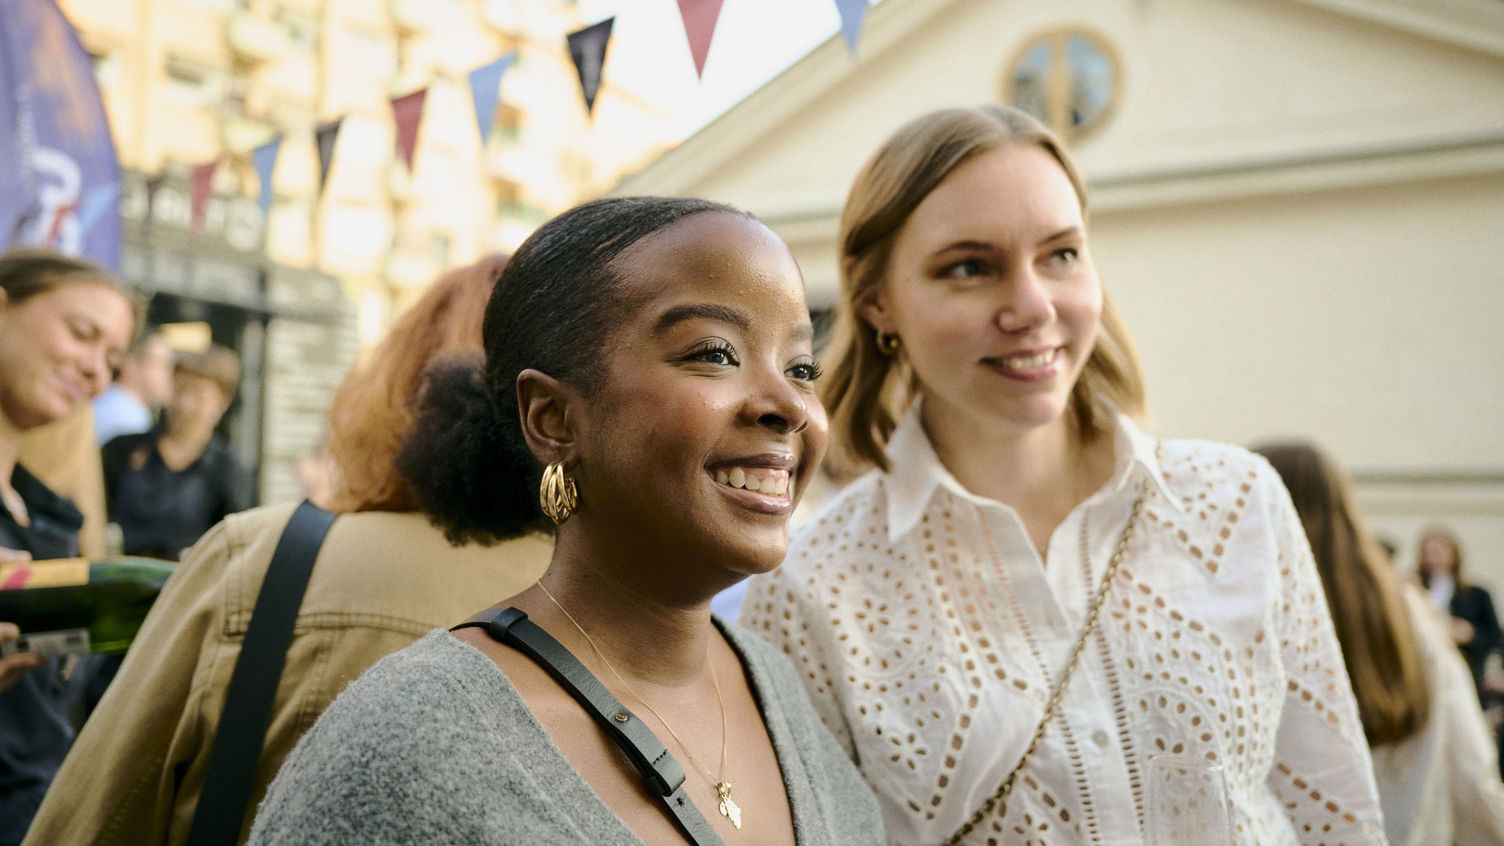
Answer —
548 410
871 311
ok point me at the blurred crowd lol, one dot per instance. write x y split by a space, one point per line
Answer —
110 446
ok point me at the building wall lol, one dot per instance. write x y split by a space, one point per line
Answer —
1295 204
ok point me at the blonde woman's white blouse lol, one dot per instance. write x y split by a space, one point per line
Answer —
929 633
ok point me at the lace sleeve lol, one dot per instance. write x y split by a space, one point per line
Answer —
780 611
1322 771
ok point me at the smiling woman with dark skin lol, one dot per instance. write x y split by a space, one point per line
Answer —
655 355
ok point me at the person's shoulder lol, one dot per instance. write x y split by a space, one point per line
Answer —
432 682
1199 470
858 503
125 443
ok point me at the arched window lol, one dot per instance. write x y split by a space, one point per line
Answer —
1067 77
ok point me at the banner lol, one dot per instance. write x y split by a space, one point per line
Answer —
325 136
59 181
407 111
588 49
202 187
699 17
852 12
264 159
485 91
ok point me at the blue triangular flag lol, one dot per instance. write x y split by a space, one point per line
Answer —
852 12
264 158
485 90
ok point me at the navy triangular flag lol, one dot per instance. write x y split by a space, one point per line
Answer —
588 49
325 136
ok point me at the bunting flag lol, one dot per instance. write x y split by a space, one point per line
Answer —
852 12
264 159
485 90
407 111
325 136
700 17
588 49
202 187
153 185
59 179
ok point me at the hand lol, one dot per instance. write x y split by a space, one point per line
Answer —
1462 631
13 667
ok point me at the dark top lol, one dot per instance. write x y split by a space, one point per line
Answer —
162 512
36 725
1473 604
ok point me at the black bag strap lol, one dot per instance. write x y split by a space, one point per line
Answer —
253 685
662 774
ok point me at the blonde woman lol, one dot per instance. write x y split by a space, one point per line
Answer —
1028 602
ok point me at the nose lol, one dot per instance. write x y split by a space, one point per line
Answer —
1026 303
96 368
779 405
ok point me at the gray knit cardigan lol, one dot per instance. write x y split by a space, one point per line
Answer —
433 745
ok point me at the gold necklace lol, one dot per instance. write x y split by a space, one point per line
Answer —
728 808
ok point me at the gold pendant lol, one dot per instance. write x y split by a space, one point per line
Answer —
728 808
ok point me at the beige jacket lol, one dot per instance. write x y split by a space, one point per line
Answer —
381 581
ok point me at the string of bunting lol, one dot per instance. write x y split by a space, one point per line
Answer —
587 49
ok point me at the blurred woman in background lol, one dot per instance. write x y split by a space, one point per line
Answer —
1432 755
64 324
383 578
1474 624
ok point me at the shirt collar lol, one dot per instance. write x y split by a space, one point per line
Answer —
917 473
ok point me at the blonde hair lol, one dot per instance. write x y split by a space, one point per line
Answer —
867 391
1363 593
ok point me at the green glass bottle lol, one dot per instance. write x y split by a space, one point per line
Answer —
73 605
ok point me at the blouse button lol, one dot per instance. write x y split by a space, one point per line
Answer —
1100 738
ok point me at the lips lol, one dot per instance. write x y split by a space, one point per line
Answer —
763 482
1033 365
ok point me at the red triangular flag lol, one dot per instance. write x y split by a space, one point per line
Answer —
407 110
699 17
203 183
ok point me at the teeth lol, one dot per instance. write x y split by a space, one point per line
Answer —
1019 362
776 483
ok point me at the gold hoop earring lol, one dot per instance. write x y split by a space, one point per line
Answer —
887 343
557 495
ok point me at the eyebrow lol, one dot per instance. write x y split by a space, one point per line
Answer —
969 244
706 311
723 314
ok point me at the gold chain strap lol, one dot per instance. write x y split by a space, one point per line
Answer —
1058 692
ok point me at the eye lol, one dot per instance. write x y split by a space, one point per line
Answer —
806 371
964 269
1066 257
717 352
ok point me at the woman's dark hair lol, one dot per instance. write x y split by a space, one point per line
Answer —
554 309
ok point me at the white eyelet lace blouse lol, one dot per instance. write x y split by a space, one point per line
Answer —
929 633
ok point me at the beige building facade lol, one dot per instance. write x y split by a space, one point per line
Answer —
298 290
1297 204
